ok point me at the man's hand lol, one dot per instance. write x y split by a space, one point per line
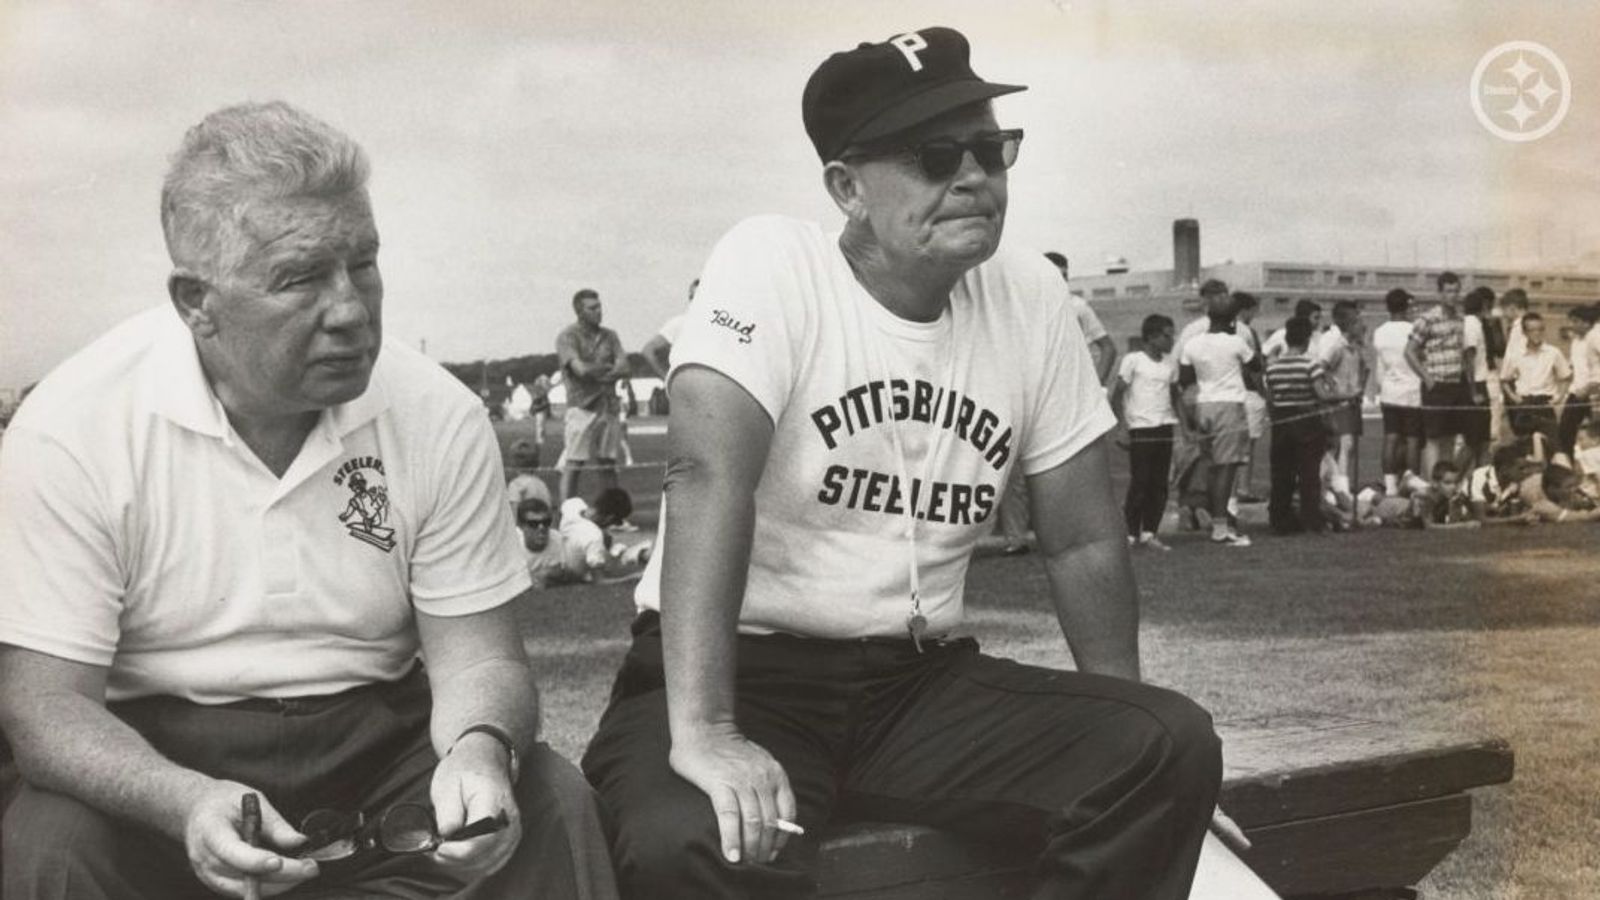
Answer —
219 855
473 782
749 791
1479 395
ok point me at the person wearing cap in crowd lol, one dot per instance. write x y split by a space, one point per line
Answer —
1584 357
1215 363
229 529
1345 367
1399 394
1437 353
592 361
846 409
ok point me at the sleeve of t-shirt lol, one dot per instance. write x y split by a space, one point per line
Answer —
670 329
1274 344
1125 368
468 555
63 583
739 324
1068 409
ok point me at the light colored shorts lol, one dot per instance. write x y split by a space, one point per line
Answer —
1224 435
591 436
1255 414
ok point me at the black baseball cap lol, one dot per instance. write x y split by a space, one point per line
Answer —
875 90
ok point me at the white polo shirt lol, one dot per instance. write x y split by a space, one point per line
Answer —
1538 371
139 533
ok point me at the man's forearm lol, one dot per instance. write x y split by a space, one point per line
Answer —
68 743
710 524
498 692
1096 602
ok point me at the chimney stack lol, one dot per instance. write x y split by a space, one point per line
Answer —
1185 252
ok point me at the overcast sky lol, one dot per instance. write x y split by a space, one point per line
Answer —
522 149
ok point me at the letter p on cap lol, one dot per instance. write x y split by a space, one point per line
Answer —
908 45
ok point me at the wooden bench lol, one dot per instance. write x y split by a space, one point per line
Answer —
1335 807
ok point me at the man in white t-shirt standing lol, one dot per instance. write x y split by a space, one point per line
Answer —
1101 346
1215 363
228 528
1399 393
1535 382
846 409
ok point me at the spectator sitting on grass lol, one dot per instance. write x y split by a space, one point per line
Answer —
1586 457
1444 505
588 547
1492 491
547 549
1555 495
523 483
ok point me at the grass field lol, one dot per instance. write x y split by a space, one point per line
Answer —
1495 632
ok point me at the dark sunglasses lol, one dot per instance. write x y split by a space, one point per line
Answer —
404 828
941 158
536 523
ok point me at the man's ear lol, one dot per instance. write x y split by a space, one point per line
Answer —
189 292
844 185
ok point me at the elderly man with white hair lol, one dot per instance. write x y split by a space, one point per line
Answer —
229 528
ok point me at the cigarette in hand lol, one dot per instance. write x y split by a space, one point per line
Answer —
788 827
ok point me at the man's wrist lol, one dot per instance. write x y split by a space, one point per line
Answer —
489 737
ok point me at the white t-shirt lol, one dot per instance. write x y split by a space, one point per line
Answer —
1087 320
1398 383
1539 372
1585 353
1002 379
585 541
1472 339
1341 361
139 533
1516 344
1218 359
1148 402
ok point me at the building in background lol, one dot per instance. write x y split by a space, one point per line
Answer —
1123 298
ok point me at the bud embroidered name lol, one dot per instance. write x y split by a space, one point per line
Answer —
722 318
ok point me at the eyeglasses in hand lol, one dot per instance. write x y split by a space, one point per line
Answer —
404 828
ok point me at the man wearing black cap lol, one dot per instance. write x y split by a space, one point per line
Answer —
846 408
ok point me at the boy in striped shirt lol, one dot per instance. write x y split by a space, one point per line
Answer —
1294 395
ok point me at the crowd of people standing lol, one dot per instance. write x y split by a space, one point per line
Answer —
1484 419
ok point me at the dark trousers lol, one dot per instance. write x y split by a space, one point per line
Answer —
1149 459
1298 442
1573 414
363 749
1535 415
1110 782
